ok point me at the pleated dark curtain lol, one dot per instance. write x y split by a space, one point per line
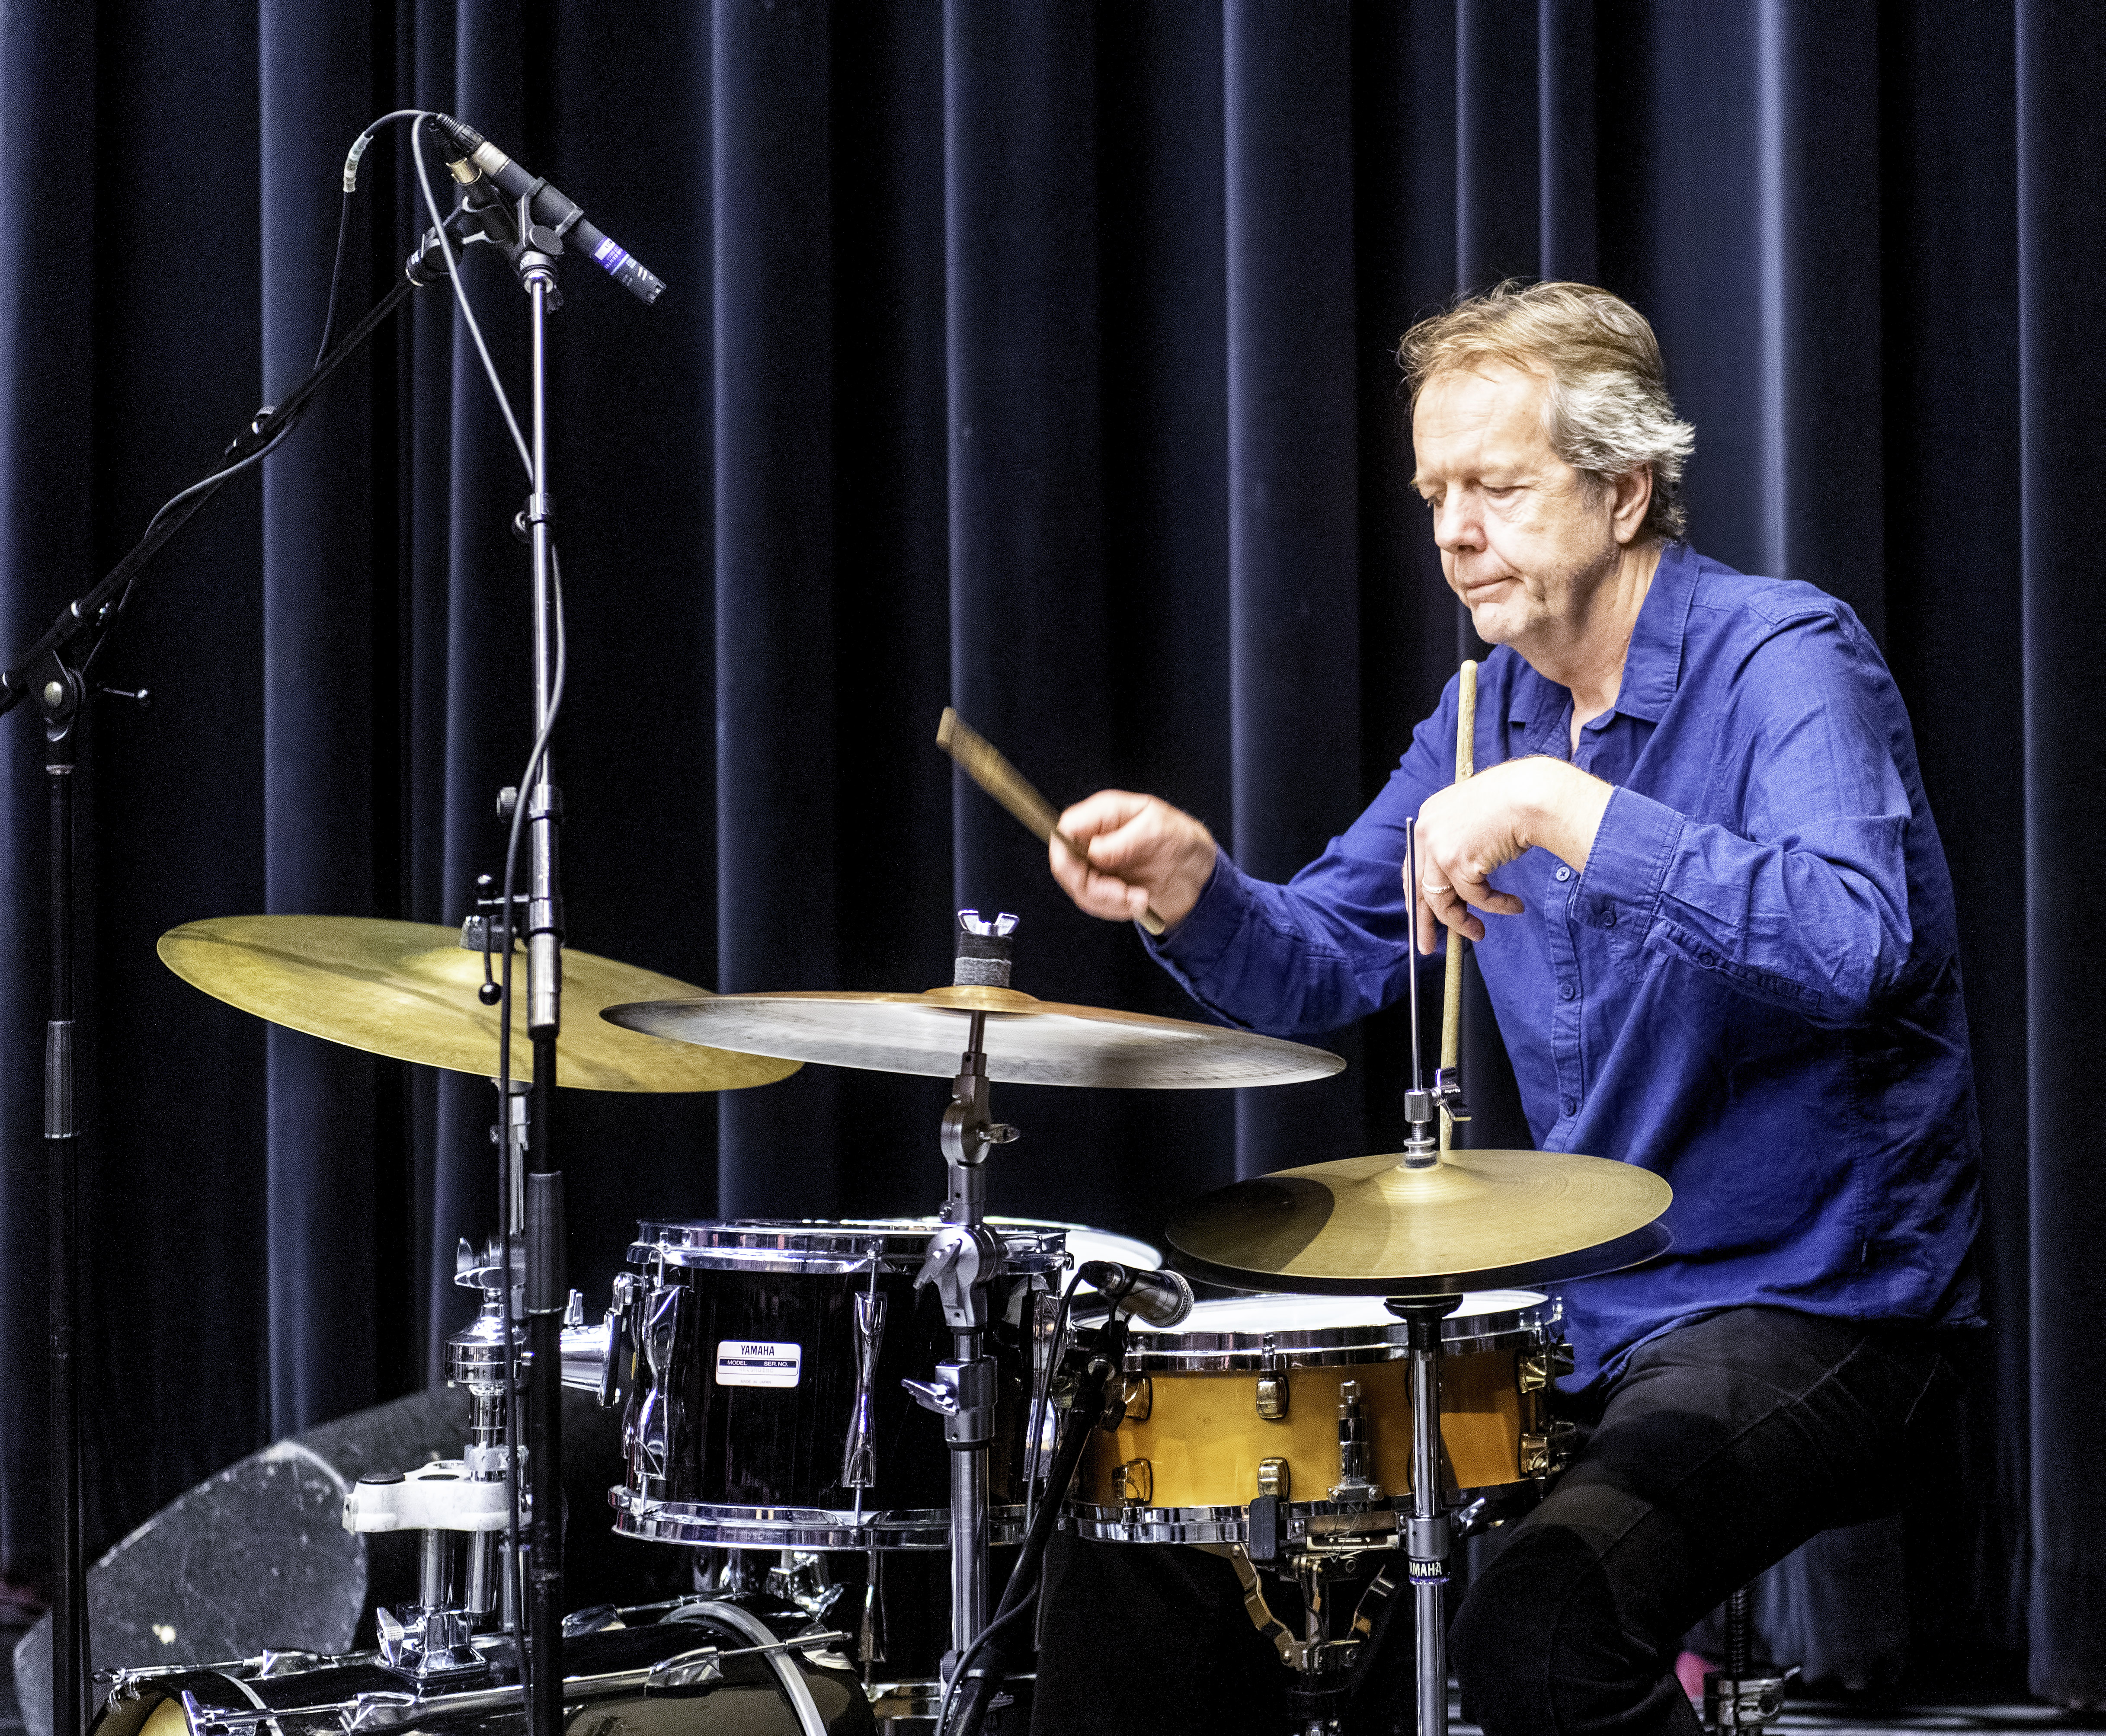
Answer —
1034 357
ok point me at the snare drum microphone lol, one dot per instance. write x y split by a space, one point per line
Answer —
1160 1300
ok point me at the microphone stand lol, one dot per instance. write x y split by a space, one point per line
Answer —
984 1666
63 695
538 250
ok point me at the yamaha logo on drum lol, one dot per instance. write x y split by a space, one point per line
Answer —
746 1362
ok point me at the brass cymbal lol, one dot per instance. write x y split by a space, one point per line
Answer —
1474 1220
1028 1042
408 989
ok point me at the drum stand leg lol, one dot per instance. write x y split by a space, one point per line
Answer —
1426 1532
961 1262
1741 1697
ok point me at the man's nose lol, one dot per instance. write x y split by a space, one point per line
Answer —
1458 525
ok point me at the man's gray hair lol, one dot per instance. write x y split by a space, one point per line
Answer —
1607 412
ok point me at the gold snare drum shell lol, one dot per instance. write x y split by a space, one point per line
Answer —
1207 1441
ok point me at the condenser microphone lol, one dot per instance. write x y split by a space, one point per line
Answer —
548 206
1158 1299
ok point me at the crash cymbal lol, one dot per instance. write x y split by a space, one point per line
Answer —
1475 1221
408 989
1028 1042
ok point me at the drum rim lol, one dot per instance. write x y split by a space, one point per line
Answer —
816 1245
1461 1334
708 1524
1231 1524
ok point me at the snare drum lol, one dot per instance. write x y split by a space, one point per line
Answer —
1243 1401
765 1409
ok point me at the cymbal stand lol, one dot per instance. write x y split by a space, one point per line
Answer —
1426 1530
961 1262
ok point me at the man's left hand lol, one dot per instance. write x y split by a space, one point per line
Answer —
1471 828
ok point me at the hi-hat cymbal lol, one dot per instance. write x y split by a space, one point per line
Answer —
408 989
1028 1042
1474 1220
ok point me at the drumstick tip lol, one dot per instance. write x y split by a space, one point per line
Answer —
947 726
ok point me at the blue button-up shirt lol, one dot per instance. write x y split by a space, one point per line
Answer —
1752 988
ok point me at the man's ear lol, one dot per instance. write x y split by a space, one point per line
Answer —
1632 499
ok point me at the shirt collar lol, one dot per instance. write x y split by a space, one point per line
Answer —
1653 667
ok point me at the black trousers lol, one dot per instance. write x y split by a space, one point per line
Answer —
1722 1448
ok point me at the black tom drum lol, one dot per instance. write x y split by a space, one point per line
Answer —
765 1407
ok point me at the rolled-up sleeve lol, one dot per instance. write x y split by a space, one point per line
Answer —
1806 906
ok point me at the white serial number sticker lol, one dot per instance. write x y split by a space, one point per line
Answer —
743 1362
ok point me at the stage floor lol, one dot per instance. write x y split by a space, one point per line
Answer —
1813 1716
1818 1717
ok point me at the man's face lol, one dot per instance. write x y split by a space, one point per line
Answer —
1525 538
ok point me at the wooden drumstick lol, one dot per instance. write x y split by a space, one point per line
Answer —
976 755
1451 998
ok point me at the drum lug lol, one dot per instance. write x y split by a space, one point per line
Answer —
1544 1455
1138 1399
653 1423
1272 1396
1135 1480
1275 1480
858 1454
1538 1367
1353 1487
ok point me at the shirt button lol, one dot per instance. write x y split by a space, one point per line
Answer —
1571 1103
1608 917
1563 873
1565 992
1707 959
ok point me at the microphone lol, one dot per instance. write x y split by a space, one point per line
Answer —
549 207
1160 1300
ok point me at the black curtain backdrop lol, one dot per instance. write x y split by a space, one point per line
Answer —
1032 357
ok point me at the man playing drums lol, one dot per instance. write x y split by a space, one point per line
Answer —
1713 913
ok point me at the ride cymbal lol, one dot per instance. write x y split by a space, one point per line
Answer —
1474 1220
408 989
1028 1042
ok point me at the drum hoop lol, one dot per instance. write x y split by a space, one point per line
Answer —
710 1525
1232 1524
826 1247
1329 1347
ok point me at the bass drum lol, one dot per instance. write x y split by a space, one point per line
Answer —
650 1675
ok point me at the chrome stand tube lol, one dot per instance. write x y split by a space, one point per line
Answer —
961 1262
969 1523
1427 1534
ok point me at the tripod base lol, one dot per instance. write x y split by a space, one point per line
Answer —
1743 1702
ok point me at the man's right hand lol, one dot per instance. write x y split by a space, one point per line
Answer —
1143 854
